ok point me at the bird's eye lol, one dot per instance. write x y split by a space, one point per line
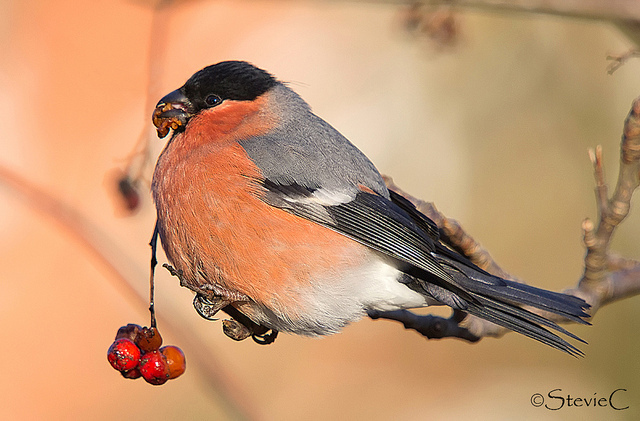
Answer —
212 100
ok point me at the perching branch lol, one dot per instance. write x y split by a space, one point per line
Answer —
431 327
596 281
607 277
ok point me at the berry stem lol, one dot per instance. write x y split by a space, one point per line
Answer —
154 245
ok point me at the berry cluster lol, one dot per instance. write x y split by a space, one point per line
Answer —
136 352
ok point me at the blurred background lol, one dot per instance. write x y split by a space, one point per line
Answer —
490 118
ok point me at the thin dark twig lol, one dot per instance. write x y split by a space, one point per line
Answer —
619 60
429 326
154 262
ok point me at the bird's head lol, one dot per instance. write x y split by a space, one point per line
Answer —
208 88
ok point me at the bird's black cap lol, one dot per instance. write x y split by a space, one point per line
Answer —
235 80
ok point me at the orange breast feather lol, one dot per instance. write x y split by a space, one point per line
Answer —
216 230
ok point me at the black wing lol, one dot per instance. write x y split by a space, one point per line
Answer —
482 282
373 221
400 231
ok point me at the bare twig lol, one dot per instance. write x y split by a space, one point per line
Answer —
139 159
613 10
624 279
585 9
619 60
623 14
596 280
607 277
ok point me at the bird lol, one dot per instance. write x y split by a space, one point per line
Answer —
265 207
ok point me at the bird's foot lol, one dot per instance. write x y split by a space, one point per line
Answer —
431 327
239 327
266 338
208 306
239 332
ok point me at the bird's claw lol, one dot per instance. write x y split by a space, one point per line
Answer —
265 338
235 330
207 308
239 332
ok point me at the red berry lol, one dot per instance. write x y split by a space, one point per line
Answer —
128 190
149 339
123 354
154 368
134 373
130 331
175 360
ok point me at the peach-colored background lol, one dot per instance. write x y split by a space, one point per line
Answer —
494 131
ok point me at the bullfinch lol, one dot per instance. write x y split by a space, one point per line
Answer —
264 206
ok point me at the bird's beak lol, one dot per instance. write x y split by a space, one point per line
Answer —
173 111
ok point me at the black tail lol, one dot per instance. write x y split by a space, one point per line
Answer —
499 301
